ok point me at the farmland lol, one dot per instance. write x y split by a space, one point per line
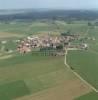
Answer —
15 30
39 77
89 96
86 65
86 69
40 26
36 74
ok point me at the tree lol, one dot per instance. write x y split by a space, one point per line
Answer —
59 47
96 23
89 24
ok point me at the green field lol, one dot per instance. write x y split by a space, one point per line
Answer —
28 74
13 90
90 96
86 64
39 26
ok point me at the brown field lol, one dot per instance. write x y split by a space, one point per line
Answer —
9 35
68 90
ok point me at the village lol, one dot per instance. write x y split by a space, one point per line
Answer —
49 42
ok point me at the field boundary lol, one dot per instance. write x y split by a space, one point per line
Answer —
76 74
5 57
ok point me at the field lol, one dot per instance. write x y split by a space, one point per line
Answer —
15 30
38 77
85 63
23 28
36 74
89 96
12 90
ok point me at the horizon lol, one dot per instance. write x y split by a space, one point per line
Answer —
90 9
49 4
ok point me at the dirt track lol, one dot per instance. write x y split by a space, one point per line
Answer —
77 75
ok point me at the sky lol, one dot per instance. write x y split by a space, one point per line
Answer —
51 4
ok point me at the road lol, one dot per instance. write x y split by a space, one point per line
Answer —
76 74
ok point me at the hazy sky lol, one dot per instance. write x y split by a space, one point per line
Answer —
56 4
